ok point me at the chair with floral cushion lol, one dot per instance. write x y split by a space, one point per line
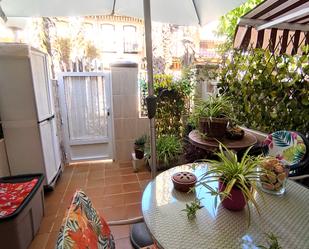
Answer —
292 148
83 228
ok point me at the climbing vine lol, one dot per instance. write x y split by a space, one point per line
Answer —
269 91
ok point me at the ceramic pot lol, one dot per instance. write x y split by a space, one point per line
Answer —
213 127
237 200
184 181
139 152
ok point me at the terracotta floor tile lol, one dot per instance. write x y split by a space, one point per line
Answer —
123 243
131 187
46 224
129 178
114 213
96 175
52 239
131 198
51 209
113 189
126 171
134 210
95 192
144 176
125 164
94 183
113 180
39 241
111 173
120 232
57 223
114 200
83 167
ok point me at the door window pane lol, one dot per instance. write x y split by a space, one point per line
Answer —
86 107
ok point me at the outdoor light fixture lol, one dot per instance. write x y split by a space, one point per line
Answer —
2 14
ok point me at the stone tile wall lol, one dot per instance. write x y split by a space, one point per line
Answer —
127 124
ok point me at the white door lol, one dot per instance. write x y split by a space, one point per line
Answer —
86 115
41 85
47 139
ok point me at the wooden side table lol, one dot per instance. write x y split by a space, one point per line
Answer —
213 145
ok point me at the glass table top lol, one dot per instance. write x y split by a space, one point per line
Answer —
285 216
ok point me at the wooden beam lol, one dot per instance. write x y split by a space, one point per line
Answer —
256 23
283 19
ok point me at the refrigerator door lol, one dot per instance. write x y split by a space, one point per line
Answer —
47 139
41 84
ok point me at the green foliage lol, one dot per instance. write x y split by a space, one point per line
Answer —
233 173
228 22
269 92
192 208
168 149
272 242
141 140
173 102
214 106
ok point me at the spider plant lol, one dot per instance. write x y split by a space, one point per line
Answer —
233 173
214 107
168 148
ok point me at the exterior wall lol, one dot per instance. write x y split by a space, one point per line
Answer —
127 123
4 165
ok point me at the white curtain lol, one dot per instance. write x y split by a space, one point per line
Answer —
86 107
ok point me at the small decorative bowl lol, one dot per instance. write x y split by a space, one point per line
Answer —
184 181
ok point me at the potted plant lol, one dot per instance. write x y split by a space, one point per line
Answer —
236 179
168 148
139 147
213 115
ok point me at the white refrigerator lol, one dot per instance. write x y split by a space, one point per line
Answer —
27 112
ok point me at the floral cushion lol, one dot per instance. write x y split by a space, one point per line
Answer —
287 146
83 228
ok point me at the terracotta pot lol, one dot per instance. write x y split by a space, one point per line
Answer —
213 127
237 200
139 152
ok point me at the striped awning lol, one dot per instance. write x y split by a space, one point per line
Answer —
280 25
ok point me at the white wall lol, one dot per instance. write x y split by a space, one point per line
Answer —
4 166
127 124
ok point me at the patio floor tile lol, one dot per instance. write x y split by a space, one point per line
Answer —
114 189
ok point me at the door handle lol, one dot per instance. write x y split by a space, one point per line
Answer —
108 112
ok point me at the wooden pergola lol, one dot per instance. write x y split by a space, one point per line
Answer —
280 25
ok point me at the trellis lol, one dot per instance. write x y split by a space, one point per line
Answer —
269 89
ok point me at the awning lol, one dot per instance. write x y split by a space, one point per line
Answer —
280 25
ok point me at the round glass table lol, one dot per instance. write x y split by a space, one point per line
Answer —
287 217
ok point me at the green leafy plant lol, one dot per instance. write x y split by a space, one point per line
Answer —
192 208
233 173
268 91
172 104
272 242
214 106
140 142
228 23
168 149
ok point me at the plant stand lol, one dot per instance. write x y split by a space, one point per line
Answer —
138 164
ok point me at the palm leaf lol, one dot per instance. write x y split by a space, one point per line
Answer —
282 138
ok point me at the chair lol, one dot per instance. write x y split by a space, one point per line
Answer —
291 147
84 228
